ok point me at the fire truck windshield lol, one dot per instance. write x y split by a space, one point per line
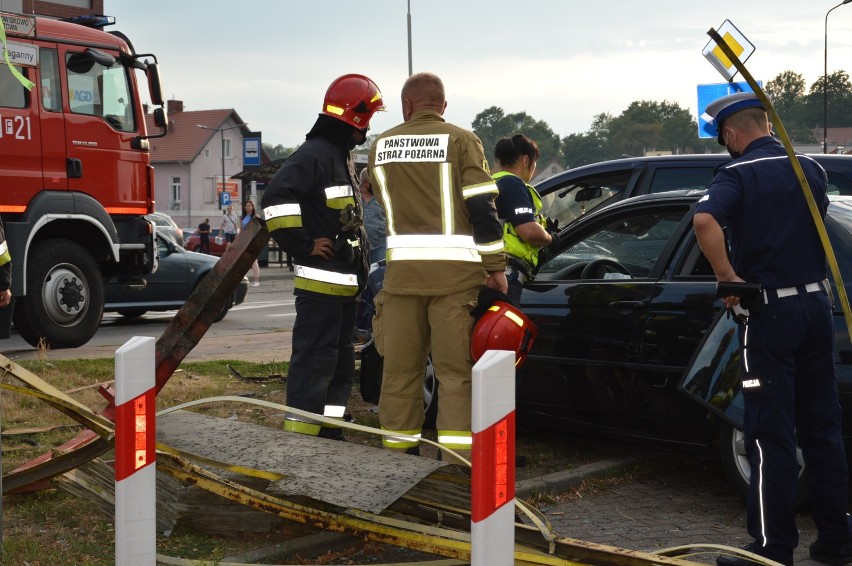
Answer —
96 89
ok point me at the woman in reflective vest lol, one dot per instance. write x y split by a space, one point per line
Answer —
519 208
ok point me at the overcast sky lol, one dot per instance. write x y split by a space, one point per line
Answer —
561 61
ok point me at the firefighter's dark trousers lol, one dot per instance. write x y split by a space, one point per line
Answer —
322 365
406 329
790 390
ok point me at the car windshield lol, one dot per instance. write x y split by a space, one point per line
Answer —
569 202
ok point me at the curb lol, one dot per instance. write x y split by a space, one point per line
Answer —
560 481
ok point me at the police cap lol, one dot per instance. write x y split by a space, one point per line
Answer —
723 108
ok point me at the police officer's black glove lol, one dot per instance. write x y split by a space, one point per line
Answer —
551 225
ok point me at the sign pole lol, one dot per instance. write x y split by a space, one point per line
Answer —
492 493
135 453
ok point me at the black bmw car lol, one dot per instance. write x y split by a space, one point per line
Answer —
632 342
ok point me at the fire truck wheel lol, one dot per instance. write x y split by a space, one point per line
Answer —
65 296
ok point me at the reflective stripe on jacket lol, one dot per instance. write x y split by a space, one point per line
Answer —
303 202
515 245
432 179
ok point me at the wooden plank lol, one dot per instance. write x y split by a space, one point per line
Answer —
194 318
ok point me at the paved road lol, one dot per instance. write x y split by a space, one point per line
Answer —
668 500
258 330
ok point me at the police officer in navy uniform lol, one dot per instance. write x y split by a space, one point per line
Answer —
787 340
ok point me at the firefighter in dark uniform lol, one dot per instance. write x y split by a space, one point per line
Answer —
312 209
787 340
525 229
5 270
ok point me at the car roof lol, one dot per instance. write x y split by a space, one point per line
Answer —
707 159
688 196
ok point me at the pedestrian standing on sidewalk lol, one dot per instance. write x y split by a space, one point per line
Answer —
248 214
311 207
787 338
204 236
230 226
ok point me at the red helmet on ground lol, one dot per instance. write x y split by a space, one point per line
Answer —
353 99
503 327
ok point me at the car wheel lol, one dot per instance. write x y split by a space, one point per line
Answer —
737 468
132 313
65 302
223 312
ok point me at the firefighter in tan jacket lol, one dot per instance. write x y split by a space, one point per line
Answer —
444 243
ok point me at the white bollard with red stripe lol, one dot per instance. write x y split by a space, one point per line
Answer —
135 445
492 505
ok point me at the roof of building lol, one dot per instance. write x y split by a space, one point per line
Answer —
186 139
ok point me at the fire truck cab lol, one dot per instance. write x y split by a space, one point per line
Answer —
75 172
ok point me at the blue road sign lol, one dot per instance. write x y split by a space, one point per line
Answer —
251 151
224 198
709 93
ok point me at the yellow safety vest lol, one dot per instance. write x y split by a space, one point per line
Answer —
515 245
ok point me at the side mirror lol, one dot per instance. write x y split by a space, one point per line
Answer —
160 118
155 85
82 63
587 194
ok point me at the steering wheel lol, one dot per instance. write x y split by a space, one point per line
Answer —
595 268
570 272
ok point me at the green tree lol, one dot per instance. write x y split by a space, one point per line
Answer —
654 126
492 124
278 151
588 147
838 91
787 93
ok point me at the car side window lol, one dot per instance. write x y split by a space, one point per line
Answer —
12 92
838 184
569 202
625 248
695 264
674 178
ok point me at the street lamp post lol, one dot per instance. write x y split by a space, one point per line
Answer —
825 83
410 70
222 133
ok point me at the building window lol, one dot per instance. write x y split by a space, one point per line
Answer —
210 191
226 148
175 193
207 152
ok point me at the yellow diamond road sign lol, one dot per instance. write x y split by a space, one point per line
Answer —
738 43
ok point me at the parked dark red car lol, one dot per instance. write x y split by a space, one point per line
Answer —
193 243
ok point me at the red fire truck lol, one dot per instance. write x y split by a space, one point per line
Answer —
75 172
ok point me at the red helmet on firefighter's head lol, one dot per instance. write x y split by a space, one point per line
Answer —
503 327
353 99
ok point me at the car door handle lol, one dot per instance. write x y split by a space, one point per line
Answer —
626 307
